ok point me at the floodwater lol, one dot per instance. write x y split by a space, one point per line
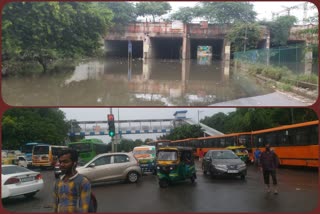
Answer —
119 82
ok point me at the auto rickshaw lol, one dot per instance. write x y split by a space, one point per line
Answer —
175 164
240 151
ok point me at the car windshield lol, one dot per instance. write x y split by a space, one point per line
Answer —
81 147
224 155
167 155
13 169
142 152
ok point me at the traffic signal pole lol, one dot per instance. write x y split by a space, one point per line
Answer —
112 140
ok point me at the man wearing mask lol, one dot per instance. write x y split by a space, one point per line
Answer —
269 162
72 192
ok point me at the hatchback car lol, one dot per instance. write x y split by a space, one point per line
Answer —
223 162
16 180
112 167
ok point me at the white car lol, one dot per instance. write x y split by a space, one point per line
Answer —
16 180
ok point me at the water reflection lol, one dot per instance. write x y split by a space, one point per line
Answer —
117 82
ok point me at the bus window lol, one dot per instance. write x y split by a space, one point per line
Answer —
40 150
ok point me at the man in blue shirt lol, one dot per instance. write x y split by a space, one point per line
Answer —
257 154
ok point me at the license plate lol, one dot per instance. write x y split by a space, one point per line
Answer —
232 171
27 179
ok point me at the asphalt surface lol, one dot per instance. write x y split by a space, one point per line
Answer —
298 192
272 99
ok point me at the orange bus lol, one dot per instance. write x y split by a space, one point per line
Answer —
217 142
295 145
44 155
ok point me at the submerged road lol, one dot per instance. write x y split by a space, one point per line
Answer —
298 192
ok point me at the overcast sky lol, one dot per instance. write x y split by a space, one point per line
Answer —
264 9
98 114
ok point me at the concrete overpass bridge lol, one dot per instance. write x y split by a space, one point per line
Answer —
141 126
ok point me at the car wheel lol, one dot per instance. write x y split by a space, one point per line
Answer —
154 172
163 183
243 177
133 177
30 195
193 178
204 170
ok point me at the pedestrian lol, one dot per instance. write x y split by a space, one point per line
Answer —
269 162
72 192
257 154
201 154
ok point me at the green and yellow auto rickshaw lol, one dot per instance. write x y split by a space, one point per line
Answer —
175 164
240 151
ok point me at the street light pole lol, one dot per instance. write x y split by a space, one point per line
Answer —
198 116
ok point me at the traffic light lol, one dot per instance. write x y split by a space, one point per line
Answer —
112 131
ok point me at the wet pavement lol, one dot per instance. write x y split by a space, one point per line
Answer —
298 192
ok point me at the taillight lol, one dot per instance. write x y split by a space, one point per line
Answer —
38 177
12 180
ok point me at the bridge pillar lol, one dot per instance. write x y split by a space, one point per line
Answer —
185 43
268 48
308 59
226 57
146 47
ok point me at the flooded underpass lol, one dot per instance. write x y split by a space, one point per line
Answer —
102 82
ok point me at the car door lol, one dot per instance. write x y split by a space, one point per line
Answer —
100 171
207 161
120 163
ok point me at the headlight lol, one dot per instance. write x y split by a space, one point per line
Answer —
158 167
241 165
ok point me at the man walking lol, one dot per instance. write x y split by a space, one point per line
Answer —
72 191
269 162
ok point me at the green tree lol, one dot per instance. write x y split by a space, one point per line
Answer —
45 31
244 36
153 9
184 131
252 119
228 12
23 125
280 29
123 12
184 14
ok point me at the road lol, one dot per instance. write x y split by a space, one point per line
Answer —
273 99
206 195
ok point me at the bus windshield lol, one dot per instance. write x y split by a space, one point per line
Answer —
81 147
40 150
167 155
142 152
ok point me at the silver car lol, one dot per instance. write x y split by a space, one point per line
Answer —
112 167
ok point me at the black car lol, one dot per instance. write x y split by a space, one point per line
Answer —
223 162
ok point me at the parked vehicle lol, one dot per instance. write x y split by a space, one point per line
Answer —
44 155
22 161
223 162
112 167
146 156
175 164
16 180
241 152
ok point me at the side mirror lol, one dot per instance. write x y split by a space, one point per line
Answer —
207 158
92 165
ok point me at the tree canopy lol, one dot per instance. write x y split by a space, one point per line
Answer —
183 132
44 31
228 12
280 29
153 9
22 125
251 119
